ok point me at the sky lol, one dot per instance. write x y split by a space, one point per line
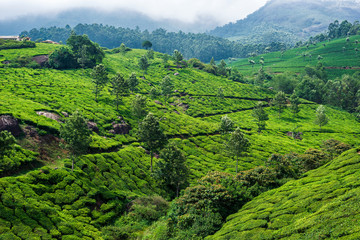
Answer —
222 11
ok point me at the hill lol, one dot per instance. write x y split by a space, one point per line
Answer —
288 21
321 205
52 201
339 56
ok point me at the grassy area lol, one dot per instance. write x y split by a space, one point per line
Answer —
324 204
338 54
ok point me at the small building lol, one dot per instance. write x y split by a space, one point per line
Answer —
50 41
16 38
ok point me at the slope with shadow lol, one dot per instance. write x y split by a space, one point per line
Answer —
324 204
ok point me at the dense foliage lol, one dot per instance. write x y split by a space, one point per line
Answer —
12 44
323 205
82 52
191 45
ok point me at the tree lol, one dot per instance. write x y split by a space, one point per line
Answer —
260 77
152 135
94 53
178 57
166 87
133 82
237 145
123 48
294 104
119 86
138 106
212 62
7 141
146 44
252 62
279 102
321 118
222 68
150 54
171 171
260 116
165 58
76 135
62 58
154 93
83 58
226 125
100 78
144 63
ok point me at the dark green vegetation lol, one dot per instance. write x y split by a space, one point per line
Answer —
324 72
288 21
12 44
200 45
324 204
112 194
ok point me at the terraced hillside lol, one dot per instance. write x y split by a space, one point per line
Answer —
338 57
324 204
53 201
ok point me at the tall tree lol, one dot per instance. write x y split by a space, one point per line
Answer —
237 145
294 104
76 135
221 70
94 52
165 58
260 116
279 102
226 125
321 118
100 79
133 82
83 58
144 64
151 134
212 62
171 171
119 86
166 88
178 57
138 106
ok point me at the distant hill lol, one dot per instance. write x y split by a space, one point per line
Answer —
117 18
289 21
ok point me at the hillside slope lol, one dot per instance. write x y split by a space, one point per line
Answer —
338 56
324 204
289 21
54 202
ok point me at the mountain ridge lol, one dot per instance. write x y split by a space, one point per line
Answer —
289 21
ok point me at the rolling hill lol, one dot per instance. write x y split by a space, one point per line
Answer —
339 56
52 202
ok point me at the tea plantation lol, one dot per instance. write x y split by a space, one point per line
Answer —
41 198
324 204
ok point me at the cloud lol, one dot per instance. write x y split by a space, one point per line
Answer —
222 11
